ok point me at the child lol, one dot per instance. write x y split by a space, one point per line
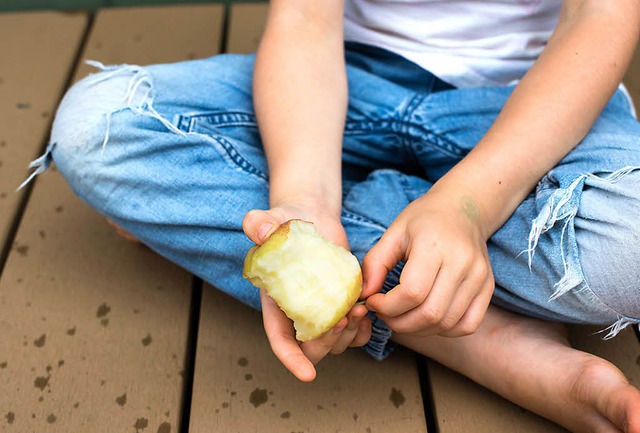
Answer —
468 152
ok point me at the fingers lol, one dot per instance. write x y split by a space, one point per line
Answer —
457 317
472 317
432 298
300 358
379 261
416 282
259 224
282 340
317 349
356 333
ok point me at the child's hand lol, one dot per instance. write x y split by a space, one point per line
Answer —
299 358
447 281
352 331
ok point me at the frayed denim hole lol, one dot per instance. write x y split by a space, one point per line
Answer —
623 320
562 206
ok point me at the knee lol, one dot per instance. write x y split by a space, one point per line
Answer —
608 236
82 121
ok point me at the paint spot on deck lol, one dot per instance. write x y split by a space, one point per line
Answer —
147 340
225 404
285 415
40 341
258 396
396 397
104 322
71 331
42 234
243 362
52 418
23 105
11 417
103 310
165 427
59 209
41 382
22 250
355 416
141 424
3 365
248 376
122 400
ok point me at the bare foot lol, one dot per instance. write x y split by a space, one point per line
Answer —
530 362
123 233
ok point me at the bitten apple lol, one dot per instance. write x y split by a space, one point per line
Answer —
314 281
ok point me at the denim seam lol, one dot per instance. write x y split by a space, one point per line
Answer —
187 123
414 132
360 218
237 159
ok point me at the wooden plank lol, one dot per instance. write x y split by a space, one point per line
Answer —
37 52
94 329
154 35
240 385
245 27
463 406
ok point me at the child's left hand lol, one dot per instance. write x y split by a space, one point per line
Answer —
447 281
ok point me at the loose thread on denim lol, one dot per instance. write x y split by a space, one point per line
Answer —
616 327
548 216
40 164
106 135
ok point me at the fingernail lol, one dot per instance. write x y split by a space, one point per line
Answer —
264 229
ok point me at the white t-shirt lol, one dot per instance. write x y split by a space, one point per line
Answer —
467 43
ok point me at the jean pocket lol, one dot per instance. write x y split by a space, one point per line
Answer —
235 135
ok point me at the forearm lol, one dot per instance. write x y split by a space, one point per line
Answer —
551 109
300 98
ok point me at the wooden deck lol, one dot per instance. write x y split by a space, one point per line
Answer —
99 335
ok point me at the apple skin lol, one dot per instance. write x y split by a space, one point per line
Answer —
314 281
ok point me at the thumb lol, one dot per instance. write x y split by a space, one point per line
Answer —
378 262
258 225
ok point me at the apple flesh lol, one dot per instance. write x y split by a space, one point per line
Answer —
314 281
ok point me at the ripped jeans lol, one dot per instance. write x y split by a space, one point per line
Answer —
172 154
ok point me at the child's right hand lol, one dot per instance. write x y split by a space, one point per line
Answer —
352 331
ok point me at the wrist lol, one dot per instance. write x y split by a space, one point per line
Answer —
313 201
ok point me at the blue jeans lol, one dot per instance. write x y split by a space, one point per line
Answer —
172 154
